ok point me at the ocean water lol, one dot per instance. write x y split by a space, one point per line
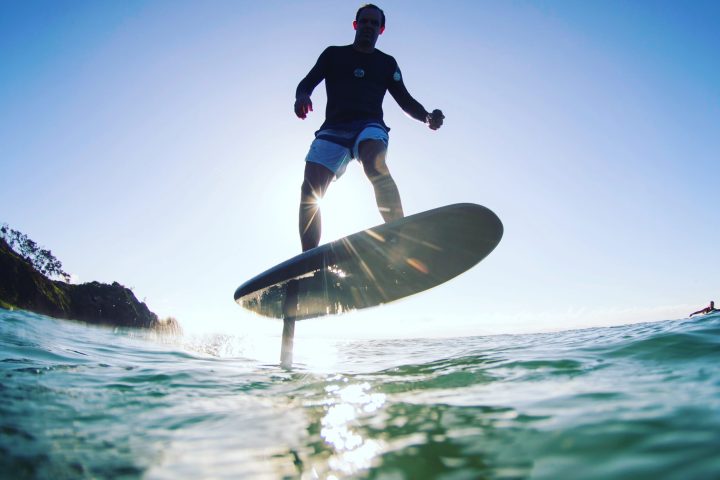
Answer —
629 402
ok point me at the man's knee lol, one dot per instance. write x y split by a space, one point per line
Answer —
306 190
316 181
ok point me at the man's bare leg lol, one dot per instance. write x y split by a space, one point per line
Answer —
315 184
387 196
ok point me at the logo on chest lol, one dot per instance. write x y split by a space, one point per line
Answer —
359 73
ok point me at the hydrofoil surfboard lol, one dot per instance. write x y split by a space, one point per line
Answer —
375 266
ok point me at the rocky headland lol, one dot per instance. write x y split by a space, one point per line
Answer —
24 287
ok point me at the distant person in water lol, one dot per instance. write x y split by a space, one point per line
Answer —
356 78
709 309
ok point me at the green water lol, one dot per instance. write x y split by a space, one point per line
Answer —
631 402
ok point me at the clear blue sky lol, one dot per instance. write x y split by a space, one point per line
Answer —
154 144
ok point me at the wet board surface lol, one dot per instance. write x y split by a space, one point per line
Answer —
377 265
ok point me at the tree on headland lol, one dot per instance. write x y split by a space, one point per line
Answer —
41 258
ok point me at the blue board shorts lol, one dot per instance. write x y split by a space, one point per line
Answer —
334 148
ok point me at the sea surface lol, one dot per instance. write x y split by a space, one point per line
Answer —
629 402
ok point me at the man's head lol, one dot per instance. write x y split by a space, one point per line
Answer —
712 304
370 5
369 24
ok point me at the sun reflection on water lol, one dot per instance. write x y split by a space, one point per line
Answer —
346 404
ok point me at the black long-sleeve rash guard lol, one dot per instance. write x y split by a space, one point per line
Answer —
356 83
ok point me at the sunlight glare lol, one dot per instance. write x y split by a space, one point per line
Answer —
346 404
418 265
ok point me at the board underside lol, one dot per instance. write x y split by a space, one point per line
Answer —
377 265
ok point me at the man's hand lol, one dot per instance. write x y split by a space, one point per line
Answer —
303 106
435 119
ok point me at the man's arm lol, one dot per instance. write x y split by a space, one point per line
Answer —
411 106
303 104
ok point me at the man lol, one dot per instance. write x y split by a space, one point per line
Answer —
709 309
356 79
